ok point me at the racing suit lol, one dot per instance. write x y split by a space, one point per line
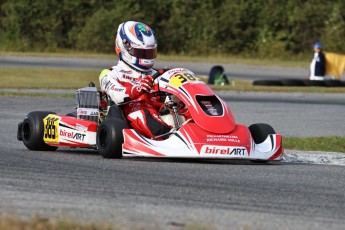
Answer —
121 83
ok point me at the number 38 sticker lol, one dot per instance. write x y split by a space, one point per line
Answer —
51 124
181 78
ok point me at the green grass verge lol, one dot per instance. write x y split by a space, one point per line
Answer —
293 62
325 144
49 78
29 94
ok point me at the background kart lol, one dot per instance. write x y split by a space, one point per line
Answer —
209 130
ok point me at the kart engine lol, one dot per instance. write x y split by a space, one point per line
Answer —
88 103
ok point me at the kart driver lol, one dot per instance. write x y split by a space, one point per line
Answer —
128 82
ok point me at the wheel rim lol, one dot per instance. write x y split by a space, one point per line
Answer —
26 131
103 138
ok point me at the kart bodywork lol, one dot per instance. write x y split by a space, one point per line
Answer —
209 132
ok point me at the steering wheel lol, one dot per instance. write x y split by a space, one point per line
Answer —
159 72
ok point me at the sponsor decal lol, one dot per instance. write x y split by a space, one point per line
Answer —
87 112
154 99
177 70
117 88
223 150
134 79
72 135
51 124
126 71
213 111
135 105
80 127
229 138
107 85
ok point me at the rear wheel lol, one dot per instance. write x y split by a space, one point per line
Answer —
72 114
33 131
260 132
110 137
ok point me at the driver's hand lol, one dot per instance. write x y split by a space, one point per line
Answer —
144 86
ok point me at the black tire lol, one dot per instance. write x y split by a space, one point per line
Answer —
292 82
333 83
33 131
110 138
72 114
260 132
313 83
267 82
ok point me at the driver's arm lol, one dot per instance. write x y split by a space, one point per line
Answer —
119 93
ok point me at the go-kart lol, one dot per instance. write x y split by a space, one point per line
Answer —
209 131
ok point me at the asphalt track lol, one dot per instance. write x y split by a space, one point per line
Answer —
172 194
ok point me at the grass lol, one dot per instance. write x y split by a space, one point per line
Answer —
29 94
236 60
293 62
37 223
325 144
50 78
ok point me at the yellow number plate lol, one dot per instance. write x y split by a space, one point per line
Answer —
51 132
180 78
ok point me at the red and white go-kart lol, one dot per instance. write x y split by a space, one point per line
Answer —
209 132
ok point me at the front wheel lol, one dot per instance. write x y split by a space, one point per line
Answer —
260 132
110 138
32 131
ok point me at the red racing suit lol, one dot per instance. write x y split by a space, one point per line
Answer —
119 83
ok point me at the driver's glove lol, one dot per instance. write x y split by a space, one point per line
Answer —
144 86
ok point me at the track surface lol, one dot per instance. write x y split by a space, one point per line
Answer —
169 194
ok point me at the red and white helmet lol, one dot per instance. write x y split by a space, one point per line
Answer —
136 45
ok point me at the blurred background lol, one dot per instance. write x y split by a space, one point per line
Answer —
252 28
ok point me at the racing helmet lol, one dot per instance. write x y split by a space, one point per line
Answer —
136 45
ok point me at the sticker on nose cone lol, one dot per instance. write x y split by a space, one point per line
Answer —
180 78
212 150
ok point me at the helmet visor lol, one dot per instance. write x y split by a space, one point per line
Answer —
143 53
